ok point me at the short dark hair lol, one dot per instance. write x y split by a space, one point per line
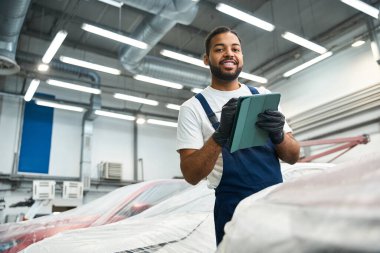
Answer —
216 31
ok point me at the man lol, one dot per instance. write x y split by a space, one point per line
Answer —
202 140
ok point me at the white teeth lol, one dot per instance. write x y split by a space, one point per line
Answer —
228 64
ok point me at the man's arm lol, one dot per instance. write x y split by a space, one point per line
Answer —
197 164
289 149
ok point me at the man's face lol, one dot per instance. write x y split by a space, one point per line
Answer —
225 57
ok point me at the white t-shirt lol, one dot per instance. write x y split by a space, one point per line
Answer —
194 128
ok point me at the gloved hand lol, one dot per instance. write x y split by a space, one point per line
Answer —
273 122
222 134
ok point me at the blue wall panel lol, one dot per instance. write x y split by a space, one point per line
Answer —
36 139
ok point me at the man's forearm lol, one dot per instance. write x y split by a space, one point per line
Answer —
289 149
200 163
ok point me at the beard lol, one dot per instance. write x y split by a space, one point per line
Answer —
219 74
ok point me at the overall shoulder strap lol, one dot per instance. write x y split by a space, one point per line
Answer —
253 90
206 107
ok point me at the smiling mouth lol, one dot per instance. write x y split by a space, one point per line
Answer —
229 62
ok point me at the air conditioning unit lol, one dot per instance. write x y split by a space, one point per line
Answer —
72 190
43 189
110 170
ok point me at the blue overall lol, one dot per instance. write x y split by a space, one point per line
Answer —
245 172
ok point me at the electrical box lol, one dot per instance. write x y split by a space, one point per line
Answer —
110 170
72 190
43 189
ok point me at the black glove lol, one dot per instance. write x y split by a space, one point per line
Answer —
273 122
222 134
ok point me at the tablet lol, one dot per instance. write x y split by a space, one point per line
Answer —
245 133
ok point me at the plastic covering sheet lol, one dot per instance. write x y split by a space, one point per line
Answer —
180 224
335 211
121 203
183 223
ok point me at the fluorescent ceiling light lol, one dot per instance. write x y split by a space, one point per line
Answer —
114 36
54 46
254 78
363 7
112 2
73 86
197 62
158 81
89 65
31 90
43 67
114 115
173 106
162 122
135 99
183 58
60 106
358 43
140 121
303 42
245 17
196 90
307 64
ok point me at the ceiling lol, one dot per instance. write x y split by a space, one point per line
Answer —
329 23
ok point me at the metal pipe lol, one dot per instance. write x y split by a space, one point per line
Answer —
12 15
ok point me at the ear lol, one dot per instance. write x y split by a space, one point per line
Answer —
205 59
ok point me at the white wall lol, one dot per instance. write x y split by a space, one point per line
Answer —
65 144
346 72
157 148
10 110
337 76
113 142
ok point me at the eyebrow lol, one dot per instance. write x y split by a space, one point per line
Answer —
221 44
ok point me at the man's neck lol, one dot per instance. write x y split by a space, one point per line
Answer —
225 85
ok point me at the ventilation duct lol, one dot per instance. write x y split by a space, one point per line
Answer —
167 14
12 15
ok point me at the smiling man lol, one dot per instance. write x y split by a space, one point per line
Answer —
204 128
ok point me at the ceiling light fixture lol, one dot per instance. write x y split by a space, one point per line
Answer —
112 2
60 106
54 46
162 122
358 43
245 17
43 67
198 62
307 64
183 58
89 65
363 7
135 99
158 81
114 115
254 78
140 121
304 42
73 86
114 36
173 106
31 90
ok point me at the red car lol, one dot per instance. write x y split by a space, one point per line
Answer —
117 205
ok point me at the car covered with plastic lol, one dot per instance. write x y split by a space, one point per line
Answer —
117 205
